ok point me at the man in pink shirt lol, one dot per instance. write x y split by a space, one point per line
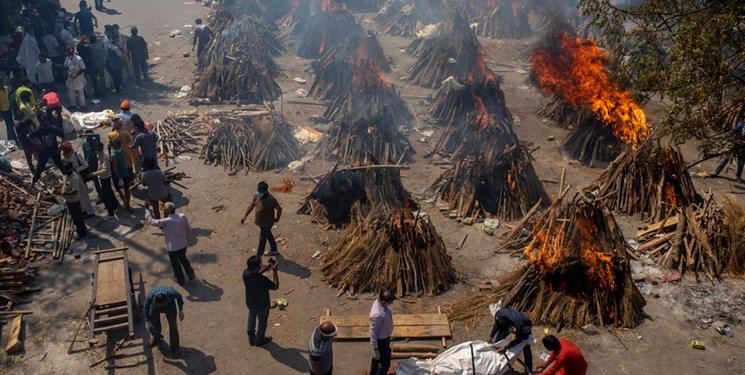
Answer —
381 329
176 229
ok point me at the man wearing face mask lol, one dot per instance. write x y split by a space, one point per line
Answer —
268 212
320 349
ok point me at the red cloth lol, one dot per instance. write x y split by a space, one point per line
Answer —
569 360
51 100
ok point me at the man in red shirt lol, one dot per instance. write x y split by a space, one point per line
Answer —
566 357
50 100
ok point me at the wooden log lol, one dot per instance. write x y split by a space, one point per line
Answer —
15 342
413 347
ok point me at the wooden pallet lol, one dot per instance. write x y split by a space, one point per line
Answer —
357 327
49 234
113 292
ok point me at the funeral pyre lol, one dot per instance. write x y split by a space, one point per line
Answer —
498 18
405 17
326 28
574 69
578 272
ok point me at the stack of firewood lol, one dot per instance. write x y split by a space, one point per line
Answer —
403 17
175 134
16 211
256 143
228 11
651 180
453 53
578 272
704 238
238 66
296 20
327 28
508 19
331 201
335 69
389 250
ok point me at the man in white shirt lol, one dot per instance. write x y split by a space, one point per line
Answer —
176 229
75 78
44 73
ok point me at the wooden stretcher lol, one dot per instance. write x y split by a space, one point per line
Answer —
113 303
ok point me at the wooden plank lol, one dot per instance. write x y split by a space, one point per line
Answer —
113 328
114 318
667 223
111 282
398 320
15 344
110 310
110 250
399 332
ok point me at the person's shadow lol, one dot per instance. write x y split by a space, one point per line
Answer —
293 358
292 267
200 290
193 361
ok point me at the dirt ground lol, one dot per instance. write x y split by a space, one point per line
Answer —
213 334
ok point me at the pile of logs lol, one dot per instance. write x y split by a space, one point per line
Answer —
230 10
504 185
331 201
327 28
175 134
578 272
704 238
389 250
650 180
335 69
457 100
563 114
403 17
297 18
16 212
508 19
16 277
593 143
365 140
238 66
254 143
453 53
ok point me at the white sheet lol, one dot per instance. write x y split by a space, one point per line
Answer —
459 360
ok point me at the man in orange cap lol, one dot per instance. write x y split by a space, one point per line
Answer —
126 116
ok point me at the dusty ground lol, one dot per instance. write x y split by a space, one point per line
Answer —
213 333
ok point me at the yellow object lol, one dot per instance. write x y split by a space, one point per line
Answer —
487 230
161 206
545 330
468 221
697 344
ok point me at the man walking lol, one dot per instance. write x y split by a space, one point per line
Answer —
53 105
736 151
47 136
202 37
165 300
268 212
320 351
85 20
381 328
139 55
257 298
72 200
566 357
75 79
176 229
507 319
157 186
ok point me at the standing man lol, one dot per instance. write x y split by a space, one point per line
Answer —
566 357
114 62
78 162
157 186
736 151
176 229
44 73
47 136
97 67
138 55
257 297
147 142
268 212
103 175
75 79
6 112
126 116
72 200
120 173
164 299
202 37
381 328
507 319
320 351
85 20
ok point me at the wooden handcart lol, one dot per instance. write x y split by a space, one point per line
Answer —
114 300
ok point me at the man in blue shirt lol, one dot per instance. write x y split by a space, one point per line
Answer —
85 19
164 299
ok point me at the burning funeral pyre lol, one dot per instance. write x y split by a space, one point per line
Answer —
574 69
335 69
297 19
250 142
498 18
331 201
366 118
492 173
398 250
651 180
406 17
327 28
238 66
452 54
230 11
578 272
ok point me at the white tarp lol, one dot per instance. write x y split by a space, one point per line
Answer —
28 56
468 358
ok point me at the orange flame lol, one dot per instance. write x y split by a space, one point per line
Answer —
576 73
365 70
670 196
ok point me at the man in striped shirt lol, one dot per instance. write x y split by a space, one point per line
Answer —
320 349
164 299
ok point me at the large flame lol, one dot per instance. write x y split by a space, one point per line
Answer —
365 70
576 71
